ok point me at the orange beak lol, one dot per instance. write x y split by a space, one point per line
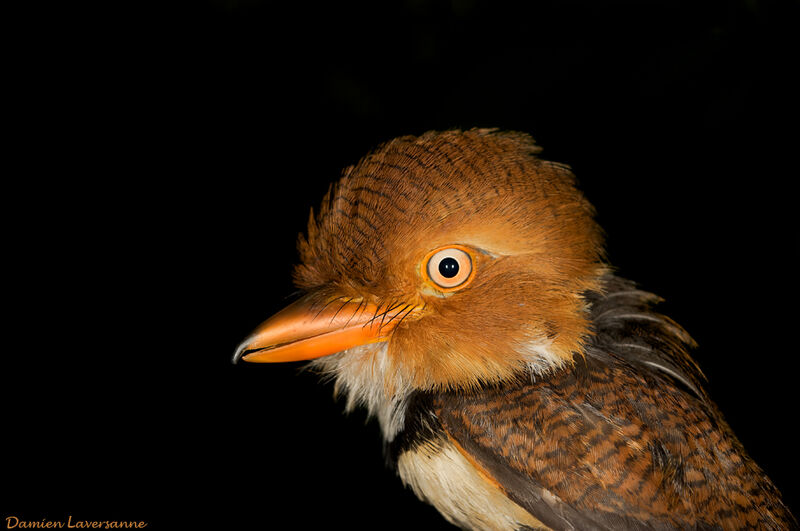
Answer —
306 330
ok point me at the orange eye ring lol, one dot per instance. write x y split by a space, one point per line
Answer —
449 268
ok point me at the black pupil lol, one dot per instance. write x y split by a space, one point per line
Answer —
448 267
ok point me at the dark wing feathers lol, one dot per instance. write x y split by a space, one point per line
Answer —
626 439
625 325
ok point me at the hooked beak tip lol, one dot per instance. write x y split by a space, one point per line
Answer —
240 350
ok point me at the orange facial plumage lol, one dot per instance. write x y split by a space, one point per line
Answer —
534 240
455 286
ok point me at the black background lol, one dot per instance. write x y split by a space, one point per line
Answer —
167 156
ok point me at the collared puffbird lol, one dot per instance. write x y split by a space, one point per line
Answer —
455 285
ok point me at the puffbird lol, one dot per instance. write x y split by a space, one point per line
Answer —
455 285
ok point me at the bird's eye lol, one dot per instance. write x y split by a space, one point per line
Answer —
449 268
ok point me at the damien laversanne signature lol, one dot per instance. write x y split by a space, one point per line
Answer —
13 522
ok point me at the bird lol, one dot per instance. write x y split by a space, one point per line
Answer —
456 285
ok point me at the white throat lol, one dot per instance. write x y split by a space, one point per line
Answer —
361 374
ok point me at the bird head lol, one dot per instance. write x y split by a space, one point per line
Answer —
445 261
